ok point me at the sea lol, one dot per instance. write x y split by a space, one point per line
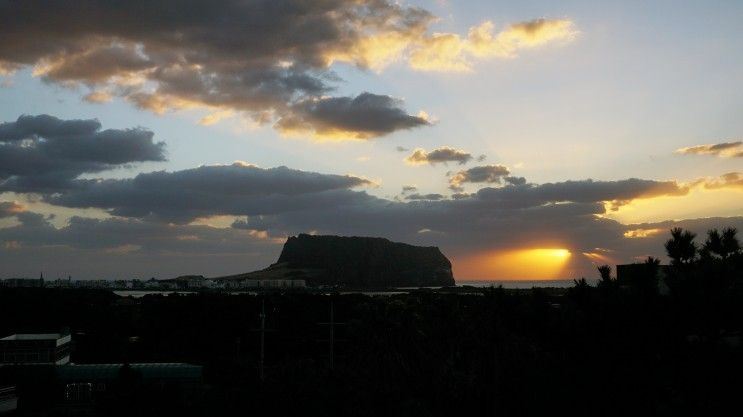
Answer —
518 284
510 284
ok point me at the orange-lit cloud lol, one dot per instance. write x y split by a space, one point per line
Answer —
641 233
724 150
599 256
273 68
10 208
450 52
215 117
98 97
492 174
442 154
730 180
720 195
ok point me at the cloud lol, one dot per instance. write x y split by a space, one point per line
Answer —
729 180
443 154
409 189
725 150
43 153
88 233
567 214
127 248
98 97
237 189
153 215
479 174
365 116
254 57
452 53
515 180
269 60
645 239
431 197
10 208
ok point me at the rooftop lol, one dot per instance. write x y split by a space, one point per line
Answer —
147 370
34 336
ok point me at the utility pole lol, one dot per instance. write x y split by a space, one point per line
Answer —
332 334
262 330
332 323
263 339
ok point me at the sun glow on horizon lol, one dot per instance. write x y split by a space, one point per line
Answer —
516 264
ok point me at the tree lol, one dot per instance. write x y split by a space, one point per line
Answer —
730 244
713 245
649 278
681 247
605 273
652 262
722 244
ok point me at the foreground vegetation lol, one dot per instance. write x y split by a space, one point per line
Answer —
614 349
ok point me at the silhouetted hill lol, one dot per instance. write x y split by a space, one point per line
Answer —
358 262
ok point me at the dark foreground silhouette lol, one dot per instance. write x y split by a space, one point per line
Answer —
617 349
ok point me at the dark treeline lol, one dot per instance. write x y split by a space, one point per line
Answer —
616 349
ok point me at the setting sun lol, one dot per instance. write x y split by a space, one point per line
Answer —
530 264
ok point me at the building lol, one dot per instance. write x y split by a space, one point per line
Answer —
89 382
241 284
23 283
8 399
26 349
641 275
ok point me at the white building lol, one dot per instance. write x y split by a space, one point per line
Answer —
46 348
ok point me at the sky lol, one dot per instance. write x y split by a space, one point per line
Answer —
527 140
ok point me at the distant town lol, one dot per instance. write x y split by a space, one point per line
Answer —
186 282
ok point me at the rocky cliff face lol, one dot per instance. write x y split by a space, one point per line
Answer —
363 262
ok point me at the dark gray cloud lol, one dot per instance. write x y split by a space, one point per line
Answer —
127 235
725 149
94 248
237 189
515 180
409 189
431 197
362 117
44 154
479 174
558 215
153 210
260 57
10 208
584 191
654 234
559 210
443 154
124 248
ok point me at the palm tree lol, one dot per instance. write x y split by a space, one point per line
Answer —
652 262
730 244
722 244
605 273
649 281
681 247
713 244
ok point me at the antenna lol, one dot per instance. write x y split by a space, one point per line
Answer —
262 330
331 341
263 339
